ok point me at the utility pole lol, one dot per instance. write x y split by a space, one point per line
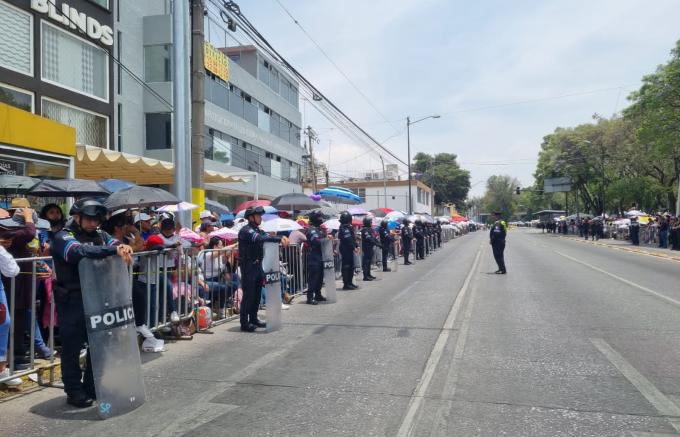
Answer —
180 115
384 180
311 137
408 163
197 105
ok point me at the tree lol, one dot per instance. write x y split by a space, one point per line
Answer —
500 195
450 182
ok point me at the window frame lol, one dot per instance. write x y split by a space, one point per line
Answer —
78 108
171 75
51 82
146 131
32 41
21 90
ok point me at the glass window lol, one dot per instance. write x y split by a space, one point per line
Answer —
274 80
158 131
293 96
238 154
295 135
276 169
263 71
16 97
157 63
284 134
102 3
275 124
91 129
263 117
208 143
250 110
294 172
16 39
236 102
73 63
284 90
222 150
217 93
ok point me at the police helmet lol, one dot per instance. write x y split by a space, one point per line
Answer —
345 218
367 222
383 223
89 208
253 210
315 218
405 221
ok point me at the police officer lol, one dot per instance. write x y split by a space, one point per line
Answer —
348 245
438 228
386 239
634 230
315 237
406 240
251 241
80 238
419 233
497 237
368 240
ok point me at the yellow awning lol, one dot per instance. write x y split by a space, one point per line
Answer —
98 163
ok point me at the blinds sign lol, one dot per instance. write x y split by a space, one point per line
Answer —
215 61
12 168
71 17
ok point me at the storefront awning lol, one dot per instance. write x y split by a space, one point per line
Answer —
98 163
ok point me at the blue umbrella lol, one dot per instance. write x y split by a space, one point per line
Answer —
340 195
114 185
227 216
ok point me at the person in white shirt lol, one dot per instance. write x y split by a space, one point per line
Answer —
9 269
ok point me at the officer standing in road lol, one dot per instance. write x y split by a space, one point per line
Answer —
419 233
80 238
634 231
368 241
406 240
497 236
251 241
348 245
315 237
386 239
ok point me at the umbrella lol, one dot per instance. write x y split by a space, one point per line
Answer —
280 225
182 206
225 234
327 211
395 215
249 203
227 216
114 185
189 235
294 201
340 195
332 224
17 183
635 213
267 210
216 206
357 211
67 188
267 217
140 197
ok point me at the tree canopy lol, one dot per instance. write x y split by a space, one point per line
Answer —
450 182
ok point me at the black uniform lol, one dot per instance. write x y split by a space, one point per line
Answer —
315 237
406 240
368 240
386 239
70 245
251 241
497 237
348 244
419 233
634 232
438 230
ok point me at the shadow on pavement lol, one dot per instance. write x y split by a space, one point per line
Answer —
57 408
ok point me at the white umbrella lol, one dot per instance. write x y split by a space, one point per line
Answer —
635 213
332 224
182 206
279 225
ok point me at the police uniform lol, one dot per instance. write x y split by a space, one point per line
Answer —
70 245
251 241
419 233
406 240
348 245
438 230
386 239
315 238
368 241
497 237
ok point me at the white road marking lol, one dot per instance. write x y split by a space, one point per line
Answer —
663 404
624 280
408 422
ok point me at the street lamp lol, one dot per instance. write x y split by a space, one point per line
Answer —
408 143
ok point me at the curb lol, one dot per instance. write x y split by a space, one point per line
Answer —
625 249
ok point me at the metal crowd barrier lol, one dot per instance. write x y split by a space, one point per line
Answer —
35 334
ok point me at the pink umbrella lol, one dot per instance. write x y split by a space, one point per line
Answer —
225 234
189 235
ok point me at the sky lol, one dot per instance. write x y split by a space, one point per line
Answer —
502 74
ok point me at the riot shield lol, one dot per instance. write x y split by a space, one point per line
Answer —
328 270
357 262
110 320
394 250
272 275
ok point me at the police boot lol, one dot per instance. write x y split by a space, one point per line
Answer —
79 400
387 269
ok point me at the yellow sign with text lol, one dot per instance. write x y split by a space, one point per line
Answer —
215 61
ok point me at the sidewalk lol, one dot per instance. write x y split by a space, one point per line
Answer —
626 246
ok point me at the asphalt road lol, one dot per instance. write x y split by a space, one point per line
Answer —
576 340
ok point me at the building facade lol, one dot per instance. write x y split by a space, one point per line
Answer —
55 62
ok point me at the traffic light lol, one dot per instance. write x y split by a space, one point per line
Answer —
517 191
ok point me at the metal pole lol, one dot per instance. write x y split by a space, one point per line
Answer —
179 60
384 180
197 104
408 163
310 139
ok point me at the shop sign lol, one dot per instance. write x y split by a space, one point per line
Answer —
71 17
215 61
12 168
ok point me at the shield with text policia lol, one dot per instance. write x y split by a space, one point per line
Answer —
272 285
110 320
328 270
